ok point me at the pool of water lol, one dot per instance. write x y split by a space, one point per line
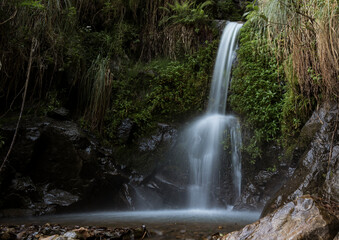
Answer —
164 224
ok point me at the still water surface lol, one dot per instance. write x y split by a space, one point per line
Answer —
164 224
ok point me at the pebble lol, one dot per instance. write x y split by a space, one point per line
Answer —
47 232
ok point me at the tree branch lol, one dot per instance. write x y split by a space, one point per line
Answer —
11 17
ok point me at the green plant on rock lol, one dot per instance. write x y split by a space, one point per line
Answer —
295 109
160 90
257 90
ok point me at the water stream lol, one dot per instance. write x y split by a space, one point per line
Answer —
205 135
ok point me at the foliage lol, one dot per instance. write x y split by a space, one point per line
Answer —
286 67
96 91
185 24
99 54
54 35
313 25
256 89
186 12
295 109
228 10
161 90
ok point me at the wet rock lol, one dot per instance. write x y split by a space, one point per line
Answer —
332 177
53 237
165 135
300 219
317 170
70 234
54 165
82 233
256 193
7 234
59 197
125 131
59 114
220 24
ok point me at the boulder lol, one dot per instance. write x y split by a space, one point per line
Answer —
304 218
317 170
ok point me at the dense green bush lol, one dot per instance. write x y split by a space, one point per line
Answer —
257 89
161 90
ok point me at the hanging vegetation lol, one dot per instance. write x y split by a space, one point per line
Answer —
308 31
288 64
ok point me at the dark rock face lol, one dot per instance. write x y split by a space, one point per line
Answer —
55 165
54 153
303 218
125 131
317 170
160 182
59 114
257 193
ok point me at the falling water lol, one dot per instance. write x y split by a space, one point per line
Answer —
206 134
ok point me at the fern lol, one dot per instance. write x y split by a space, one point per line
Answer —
186 13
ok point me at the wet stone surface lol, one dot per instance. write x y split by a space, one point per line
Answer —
305 218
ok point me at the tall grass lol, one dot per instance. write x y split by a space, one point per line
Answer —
307 30
96 91
52 23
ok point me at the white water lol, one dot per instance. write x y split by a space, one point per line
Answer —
207 133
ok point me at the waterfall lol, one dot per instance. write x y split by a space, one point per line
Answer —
205 136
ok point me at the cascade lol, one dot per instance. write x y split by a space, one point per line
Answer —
206 134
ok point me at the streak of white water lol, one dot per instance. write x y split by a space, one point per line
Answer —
222 69
207 133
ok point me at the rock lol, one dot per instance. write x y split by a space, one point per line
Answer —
125 131
59 197
54 165
317 173
300 219
7 234
55 157
70 234
256 193
59 114
53 237
82 233
331 185
220 24
165 135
